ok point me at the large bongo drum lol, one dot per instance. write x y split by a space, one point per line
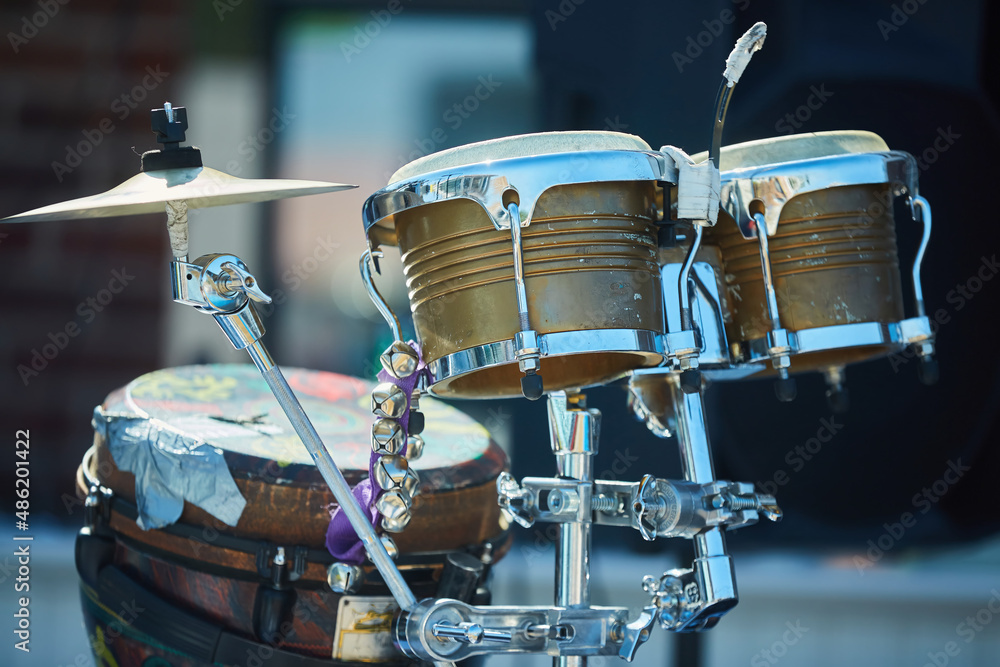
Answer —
586 236
229 566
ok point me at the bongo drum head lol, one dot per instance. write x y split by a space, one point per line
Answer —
774 150
522 145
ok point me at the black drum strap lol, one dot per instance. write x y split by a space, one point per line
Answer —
186 633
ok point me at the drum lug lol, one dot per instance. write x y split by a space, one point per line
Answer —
528 355
97 508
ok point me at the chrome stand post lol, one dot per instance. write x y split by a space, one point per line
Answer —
713 566
222 286
574 431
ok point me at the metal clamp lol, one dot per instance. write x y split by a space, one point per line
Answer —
215 283
544 499
655 507
670 508
446 630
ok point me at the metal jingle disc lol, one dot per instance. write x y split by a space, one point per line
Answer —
396 525
345 578
199 187
394 507
400 360
414 447
393 503
387 437
390 472
410 484
390 546
388 401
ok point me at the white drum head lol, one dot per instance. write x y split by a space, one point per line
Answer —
522 145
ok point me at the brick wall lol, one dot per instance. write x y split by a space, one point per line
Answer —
78 79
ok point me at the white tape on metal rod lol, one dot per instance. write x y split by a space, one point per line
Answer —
177 227
698 186
751 41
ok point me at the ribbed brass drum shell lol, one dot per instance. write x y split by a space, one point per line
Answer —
589 263
833 263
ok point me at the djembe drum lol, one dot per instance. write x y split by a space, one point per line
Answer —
208 581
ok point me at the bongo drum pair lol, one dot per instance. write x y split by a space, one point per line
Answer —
800 272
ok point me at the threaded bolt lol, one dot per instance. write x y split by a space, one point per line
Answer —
604 504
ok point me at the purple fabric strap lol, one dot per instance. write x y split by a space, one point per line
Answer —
341 540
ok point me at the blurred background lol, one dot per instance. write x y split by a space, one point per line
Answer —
351 91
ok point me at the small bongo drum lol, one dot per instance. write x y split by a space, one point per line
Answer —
223 583
570 292
801 271
827 203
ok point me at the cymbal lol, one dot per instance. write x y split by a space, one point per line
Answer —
199 187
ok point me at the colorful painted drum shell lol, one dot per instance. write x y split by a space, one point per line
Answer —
589 264
231 408
228 603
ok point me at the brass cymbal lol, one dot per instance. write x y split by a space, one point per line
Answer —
199 187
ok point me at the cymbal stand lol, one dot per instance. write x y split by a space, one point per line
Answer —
222 285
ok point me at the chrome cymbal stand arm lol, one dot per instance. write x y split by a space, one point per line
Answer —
221 285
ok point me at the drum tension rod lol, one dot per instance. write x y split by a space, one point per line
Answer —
686 347
526 347
779 344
